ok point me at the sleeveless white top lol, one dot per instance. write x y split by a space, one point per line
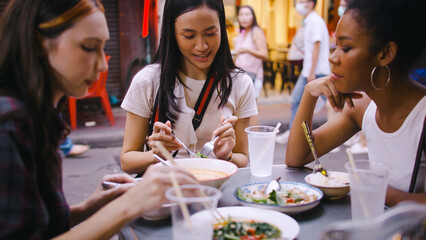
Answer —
398 148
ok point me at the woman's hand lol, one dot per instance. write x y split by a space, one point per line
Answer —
226 140
161 132
148 194
100 197
325 86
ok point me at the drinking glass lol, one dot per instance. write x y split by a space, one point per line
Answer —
261 140
368 184
200 201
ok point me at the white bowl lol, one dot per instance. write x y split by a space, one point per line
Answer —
335 190
209 164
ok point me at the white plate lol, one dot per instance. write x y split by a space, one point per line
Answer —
287 225
286 185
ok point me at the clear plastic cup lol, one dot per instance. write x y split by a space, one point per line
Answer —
197 199
261 140
368 184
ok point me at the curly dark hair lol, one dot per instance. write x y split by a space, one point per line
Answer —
398 21
25 71
168 54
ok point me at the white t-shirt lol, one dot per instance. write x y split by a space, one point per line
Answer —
314 30
140 100
398 148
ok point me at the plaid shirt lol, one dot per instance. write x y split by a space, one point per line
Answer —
26 211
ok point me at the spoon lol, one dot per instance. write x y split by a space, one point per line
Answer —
191 153
273 185
318 167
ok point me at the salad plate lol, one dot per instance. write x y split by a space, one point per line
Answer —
287 225
293 197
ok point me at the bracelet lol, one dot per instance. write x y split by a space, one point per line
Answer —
230 156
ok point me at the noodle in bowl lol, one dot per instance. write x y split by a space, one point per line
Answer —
209 172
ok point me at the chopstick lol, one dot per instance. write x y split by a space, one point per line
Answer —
182 205
175 183
165 152
133 233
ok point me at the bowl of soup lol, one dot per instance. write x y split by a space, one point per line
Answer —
209 172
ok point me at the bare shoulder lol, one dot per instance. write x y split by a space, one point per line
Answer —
360 105
258 33
258 30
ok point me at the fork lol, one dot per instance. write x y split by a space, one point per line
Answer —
191 153
208 147
318 167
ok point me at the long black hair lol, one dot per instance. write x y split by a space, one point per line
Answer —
168 55
254 24
25 71
396 21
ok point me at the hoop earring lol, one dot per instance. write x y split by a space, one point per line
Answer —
372 81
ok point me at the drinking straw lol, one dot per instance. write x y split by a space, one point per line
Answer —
277 128
361 199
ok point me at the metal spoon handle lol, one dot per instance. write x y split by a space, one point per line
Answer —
308 136
162 160
191 153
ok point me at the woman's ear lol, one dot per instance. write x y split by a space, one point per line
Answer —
388 54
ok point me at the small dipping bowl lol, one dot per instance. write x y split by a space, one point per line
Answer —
335 186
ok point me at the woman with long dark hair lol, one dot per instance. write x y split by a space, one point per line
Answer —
371 88
52 49
193 55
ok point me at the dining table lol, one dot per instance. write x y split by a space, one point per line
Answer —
312 222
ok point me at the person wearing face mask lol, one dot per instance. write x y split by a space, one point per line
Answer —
316 52
342 8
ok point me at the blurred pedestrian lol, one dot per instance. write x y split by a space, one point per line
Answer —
251 47
295 55
69 149
53 48
375 60
342 8
316 53
193 62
